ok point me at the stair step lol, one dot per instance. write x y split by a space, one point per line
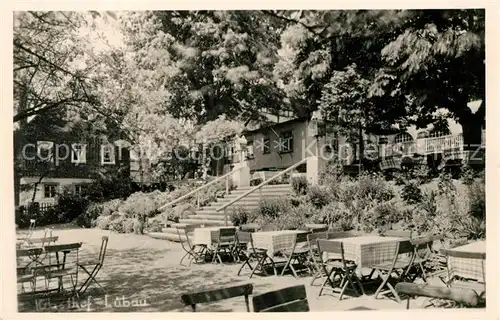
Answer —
217 217
206 223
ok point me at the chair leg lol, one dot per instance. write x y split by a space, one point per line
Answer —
384 281
344 287
286 265
246 263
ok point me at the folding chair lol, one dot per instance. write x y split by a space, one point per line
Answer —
192 299
62 269
251 227
291 299
95 266
400 265
314 254
30 231
460 296
299 254
254 253
196 253
398 234
224 242
342 234
471 262
422 254
25 273
344 269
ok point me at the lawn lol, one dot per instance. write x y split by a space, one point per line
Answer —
142 274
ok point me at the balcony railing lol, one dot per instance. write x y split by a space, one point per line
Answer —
439 144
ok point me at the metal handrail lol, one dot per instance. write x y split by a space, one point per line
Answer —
258 187
189 194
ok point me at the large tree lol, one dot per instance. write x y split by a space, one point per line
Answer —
415 61
220 61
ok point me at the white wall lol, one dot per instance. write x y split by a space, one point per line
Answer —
26 196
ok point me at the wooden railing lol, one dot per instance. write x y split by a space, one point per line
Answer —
444 143
195 191
258 187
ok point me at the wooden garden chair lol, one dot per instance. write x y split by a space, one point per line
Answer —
26 273
458 296
251 227
401 263
192 299
342 234
398 234
252 253
344 269
92 267
27 236
224 242
469 263
299 253
62 269
291 299
314 254
422 254
195 252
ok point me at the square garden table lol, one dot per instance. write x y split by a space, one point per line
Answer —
469 268
203 236
275 241
367 251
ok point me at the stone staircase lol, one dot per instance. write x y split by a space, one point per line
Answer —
208 216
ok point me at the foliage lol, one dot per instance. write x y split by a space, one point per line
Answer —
411 192
331 173
299 185
477 196
239 216
87 218
273 207
319 196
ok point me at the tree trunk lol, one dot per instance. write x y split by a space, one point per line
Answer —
472 131
35 187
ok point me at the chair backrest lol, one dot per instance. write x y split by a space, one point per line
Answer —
102 251
301 237
405 247
461 295
63 247
182 233
244 236
330 246
30 252
192 299
291 299
464 254
269 227
44 241
398 234
342 234
251 227
312 237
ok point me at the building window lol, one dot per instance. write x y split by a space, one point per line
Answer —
79 153
250 153
286 142
403 137
49 190
266 146
107 154
44 150
79 189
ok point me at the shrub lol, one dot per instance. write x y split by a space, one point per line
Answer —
273 207
411 192
477 199
381 218
467 175
102 222
128 225
374 186
138 225
111 206
299 184
255 182
319 196
91 213
331 173
116 223
335 216
139 204
239 216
